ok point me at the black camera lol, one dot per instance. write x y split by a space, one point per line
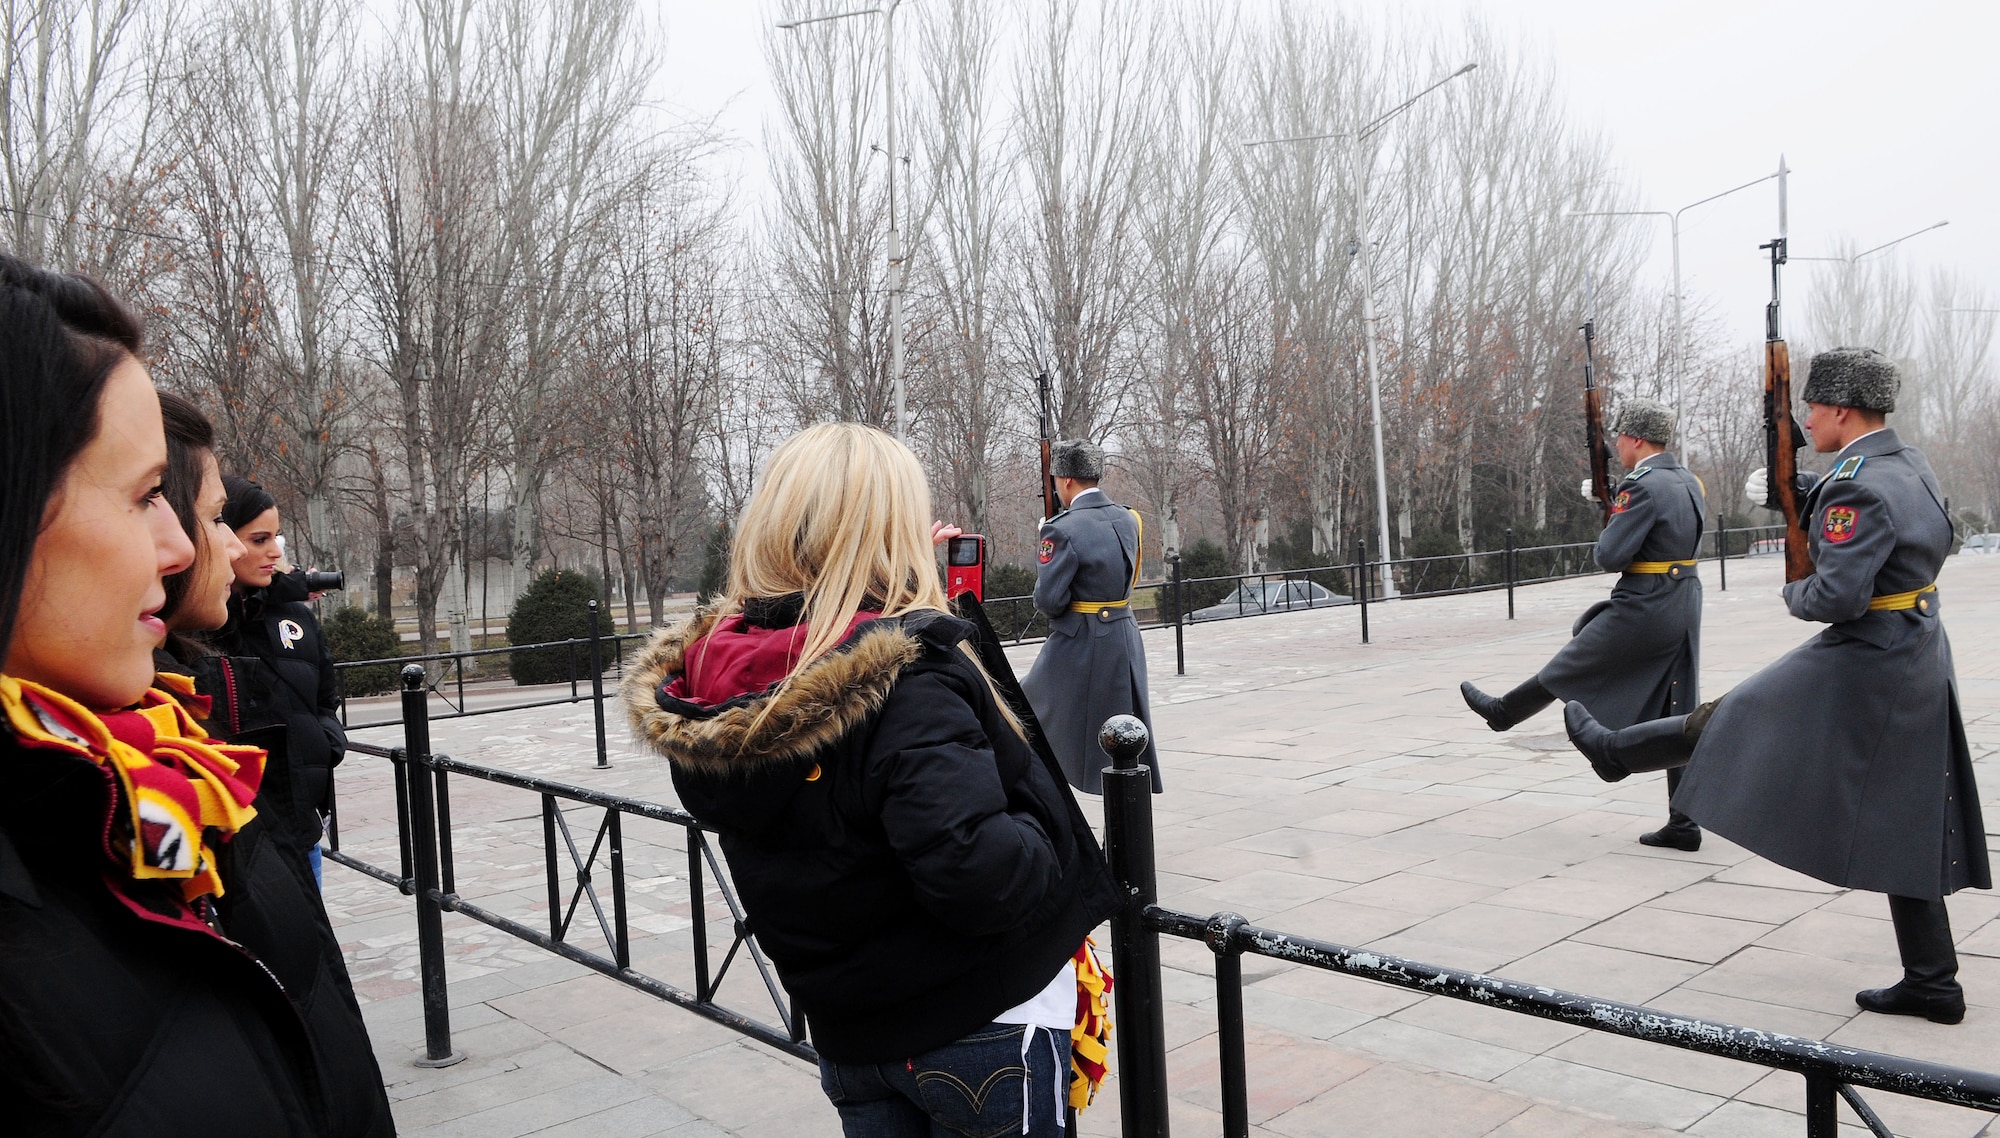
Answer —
330 582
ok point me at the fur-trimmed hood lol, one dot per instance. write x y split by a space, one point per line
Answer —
788 724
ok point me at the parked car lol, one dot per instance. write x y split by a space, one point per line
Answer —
1270 596
1980 545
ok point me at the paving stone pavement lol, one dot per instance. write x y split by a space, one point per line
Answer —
1314 785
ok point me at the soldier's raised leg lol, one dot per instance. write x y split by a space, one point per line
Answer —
1503 712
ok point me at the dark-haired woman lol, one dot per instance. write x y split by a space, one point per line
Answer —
123 1009
275 911
269 619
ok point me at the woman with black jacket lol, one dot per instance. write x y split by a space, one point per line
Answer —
270 620
920 878
124 1009
275 909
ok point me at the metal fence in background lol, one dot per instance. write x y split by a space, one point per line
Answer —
575 876
1178 602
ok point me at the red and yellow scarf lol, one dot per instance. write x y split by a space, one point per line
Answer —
181 793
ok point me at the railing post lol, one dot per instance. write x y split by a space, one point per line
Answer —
1722 548
424 852
1180 619
1135 951
597 690
1361 582
698 916
1509 558
1822 1102
1222 940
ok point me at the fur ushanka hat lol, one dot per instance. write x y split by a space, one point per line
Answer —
1645 419
1077 458
1853 377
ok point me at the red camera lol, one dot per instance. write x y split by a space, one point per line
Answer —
965 566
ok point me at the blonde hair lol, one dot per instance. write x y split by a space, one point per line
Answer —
842 515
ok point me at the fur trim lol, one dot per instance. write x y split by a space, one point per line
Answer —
816 708
1853 377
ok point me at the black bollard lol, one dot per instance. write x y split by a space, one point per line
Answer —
424 853
1141 1029
1510 572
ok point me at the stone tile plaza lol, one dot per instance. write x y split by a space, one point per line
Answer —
1314 785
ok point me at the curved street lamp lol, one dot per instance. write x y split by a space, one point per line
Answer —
1361 251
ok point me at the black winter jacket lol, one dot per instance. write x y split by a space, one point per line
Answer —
116 1024
911 867
275 625
274 908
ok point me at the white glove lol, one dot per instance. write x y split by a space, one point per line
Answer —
1757 487
1589 489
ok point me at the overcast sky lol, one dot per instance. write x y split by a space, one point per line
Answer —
1884 109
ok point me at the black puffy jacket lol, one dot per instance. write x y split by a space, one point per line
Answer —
911 867
275 625
274 908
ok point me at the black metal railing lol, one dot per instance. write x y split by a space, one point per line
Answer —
1178 601
1832 1072
427 871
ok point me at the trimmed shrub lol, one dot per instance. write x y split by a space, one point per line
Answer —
556 606
354 635
1014 618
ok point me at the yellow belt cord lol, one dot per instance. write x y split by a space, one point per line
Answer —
1659 566
1919 599
1092 608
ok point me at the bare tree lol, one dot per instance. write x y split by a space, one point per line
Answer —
1080 128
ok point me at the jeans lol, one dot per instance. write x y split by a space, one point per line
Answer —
969 1089
313 858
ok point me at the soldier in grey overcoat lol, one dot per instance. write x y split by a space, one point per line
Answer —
1093 665
1846 759
1637 654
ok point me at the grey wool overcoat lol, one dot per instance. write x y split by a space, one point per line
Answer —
1093 665
1637 654
1846 758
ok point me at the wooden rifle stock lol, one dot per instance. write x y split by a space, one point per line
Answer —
1600 458
1781 452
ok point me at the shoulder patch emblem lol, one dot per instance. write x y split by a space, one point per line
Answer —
1839 524
1848 468
1047 552
1622 502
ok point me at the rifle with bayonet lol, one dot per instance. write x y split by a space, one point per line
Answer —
1782 436
1593 413
1050 502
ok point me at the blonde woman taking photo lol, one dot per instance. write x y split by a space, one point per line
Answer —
917 875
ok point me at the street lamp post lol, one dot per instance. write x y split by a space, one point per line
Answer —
1362 253
1877 249
1674 225
888 14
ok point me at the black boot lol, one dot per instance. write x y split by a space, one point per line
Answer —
1929 987
1680 832
1653 745
1503 713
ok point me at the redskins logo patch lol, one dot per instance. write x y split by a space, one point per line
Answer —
1839 525
1048 551
1622 502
